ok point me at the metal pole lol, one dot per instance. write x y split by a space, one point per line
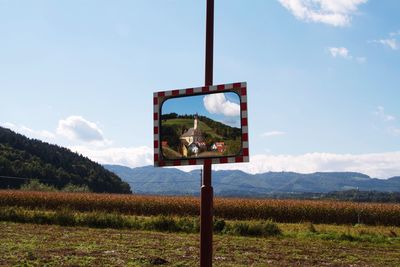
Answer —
206 208
209 42
206 218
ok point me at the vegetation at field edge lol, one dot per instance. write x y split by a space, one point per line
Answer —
66 217
257 228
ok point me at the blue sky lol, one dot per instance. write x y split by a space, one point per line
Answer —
323 76
222 107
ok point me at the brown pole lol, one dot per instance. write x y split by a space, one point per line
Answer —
206 218
209 42
206 204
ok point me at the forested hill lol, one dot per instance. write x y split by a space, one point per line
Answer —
51 164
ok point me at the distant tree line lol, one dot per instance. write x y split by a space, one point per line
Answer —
52 165
347 195
364 196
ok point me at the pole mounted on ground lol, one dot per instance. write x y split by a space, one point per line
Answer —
206 208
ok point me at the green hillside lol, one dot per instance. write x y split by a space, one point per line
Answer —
174 125
178 124
209 126
51 164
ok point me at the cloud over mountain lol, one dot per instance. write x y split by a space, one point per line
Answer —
380 165
77 128
127 156
36 134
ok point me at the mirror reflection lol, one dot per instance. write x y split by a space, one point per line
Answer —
201 126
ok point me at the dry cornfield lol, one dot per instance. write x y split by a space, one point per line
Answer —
291 211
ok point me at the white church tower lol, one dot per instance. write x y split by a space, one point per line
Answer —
195 122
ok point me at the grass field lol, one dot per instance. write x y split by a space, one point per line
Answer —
75 229
49 245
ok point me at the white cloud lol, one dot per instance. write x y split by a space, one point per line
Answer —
31 133
272 133
11 126
127 156
343 52
381 114
392 43
218 104
8 125
378 165
39 134
333 12
339 52
76 128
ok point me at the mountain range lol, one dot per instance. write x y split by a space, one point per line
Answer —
151 180
22 158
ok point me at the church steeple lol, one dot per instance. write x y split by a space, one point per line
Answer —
195 121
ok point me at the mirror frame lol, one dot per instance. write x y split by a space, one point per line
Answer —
160 97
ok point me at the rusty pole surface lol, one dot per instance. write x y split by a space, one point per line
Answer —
206 208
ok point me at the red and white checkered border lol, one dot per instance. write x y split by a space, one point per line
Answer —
159 97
